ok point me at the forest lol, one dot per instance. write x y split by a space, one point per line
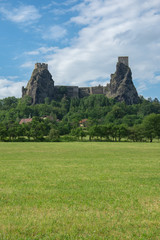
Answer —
93 118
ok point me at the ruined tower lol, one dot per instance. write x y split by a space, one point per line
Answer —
123 60
41 66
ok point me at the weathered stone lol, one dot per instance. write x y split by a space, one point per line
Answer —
121 86
41 84
68 91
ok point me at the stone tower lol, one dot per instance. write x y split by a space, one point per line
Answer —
123 60
41 66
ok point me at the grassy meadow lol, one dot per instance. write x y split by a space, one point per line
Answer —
70 191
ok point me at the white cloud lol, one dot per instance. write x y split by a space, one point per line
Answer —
41 50
54 33
22 15
10 88
70 2
142 87
110 29
28 64
60 3
155 80
46 7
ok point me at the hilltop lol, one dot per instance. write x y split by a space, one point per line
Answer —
121 87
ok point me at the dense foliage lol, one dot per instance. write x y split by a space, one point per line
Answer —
106 119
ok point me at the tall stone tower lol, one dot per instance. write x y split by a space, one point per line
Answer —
123 60
40 85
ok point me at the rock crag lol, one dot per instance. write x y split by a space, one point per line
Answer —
40 85
121 87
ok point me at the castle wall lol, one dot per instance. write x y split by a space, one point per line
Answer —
84 92
41 85
97 90
72 91
69 91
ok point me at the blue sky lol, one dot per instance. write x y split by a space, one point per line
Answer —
80 40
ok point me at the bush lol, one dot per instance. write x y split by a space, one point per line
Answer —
54 135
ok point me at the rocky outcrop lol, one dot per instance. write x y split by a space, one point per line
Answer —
121 86
40 85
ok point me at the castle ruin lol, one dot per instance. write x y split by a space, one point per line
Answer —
121 87
41 66
123 60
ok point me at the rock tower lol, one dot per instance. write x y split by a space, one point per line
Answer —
121 86
40 85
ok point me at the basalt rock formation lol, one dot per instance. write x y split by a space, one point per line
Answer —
121 86
40 85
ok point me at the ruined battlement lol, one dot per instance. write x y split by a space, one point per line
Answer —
123 60
41 66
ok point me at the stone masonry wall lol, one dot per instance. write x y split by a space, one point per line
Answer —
123 60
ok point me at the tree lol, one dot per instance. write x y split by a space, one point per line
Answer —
9 102
78 132
53 135
13 131
136 133
38 128
65 105
121 131
91 132
108 130
113 131
151 125
27 130
157 126
63 128
3 131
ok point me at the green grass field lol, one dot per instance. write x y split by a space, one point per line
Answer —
79 191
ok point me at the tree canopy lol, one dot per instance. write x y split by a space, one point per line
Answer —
106 119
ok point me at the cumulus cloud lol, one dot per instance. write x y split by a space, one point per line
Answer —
110 29
9 88
25 14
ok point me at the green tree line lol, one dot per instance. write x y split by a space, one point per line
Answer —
107 119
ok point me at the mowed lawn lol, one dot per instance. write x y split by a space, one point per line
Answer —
80 191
